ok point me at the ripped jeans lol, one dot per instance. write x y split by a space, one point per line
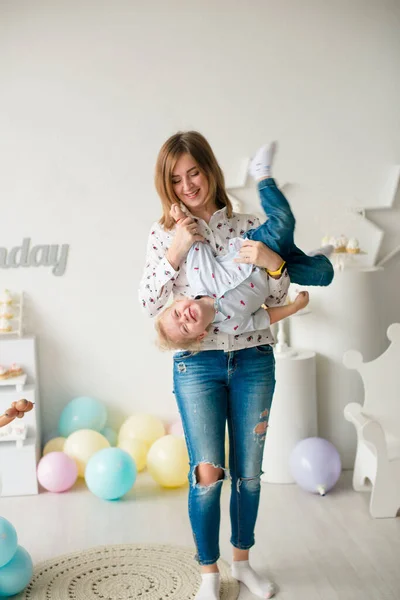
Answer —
214 388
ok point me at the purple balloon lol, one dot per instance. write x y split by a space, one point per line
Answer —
57 472
315 465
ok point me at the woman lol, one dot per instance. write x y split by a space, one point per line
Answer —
231 380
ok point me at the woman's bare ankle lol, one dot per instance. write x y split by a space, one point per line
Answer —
209 568
239 554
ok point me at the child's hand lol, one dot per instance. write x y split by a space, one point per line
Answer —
301 301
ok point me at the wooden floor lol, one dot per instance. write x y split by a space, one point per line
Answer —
315 548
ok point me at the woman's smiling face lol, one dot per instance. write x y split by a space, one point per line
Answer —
190 184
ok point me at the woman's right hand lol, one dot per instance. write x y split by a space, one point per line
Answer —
257 253
186 235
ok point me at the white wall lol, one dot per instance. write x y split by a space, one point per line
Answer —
89 90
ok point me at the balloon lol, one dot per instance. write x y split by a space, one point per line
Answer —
142 427
176 428
57 472
110 435
16 574
81 445
315 465
54 445
110 473
137 450
49 436
82 413
168 461
8 541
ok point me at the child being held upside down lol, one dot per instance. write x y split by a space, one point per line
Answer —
233 297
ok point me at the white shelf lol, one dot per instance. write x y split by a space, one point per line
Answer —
17 382
14 432
19 449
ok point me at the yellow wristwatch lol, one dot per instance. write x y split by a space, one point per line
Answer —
278 272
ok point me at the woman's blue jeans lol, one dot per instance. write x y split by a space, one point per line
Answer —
214 388
277 233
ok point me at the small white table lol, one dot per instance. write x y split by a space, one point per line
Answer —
293 414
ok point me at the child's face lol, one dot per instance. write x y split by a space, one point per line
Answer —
186 320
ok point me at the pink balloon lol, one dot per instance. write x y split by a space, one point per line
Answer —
57 472
176 428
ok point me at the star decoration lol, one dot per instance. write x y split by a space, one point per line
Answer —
364 216
386 204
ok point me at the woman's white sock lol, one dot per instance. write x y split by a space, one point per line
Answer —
209 589
261 164
257 584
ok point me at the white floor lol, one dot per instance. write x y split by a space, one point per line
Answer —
315 548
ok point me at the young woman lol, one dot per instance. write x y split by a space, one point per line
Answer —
231 379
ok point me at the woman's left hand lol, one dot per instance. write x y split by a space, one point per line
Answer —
257 253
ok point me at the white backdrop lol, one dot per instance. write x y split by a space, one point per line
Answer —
89 90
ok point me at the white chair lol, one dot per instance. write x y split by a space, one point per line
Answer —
377 423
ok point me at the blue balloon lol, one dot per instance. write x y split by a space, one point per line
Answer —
110 473
16 574
82 413
315 465
8 541
110 435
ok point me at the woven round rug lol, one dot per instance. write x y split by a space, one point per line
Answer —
122 572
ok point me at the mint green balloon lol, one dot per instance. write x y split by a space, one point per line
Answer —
110 435
16 574
82 413
110 473
8 541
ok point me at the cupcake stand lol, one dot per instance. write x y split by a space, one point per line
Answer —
20 440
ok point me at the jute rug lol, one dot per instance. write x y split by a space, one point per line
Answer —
122 572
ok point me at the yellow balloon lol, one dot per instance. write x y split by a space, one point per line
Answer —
137 449
82 444
142 427
168 461
54 445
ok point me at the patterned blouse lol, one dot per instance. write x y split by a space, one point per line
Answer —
160 278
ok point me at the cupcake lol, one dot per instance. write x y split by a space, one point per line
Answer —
5 297
5 326
353 247
15 370
340 244
5 311
3 372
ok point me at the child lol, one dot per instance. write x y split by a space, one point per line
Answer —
229 295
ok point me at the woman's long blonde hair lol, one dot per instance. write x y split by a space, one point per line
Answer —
196 145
